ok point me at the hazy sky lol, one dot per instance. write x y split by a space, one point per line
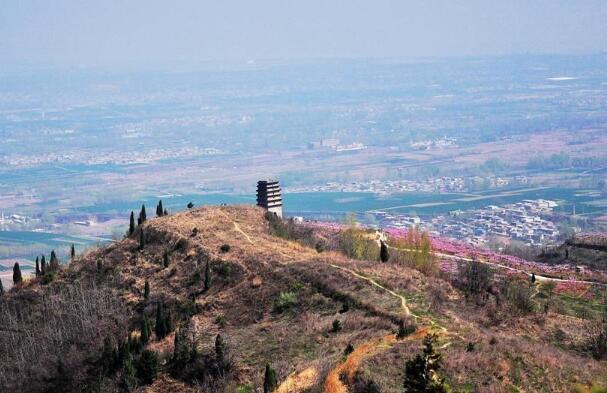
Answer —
149 32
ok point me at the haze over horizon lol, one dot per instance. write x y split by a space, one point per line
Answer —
144 34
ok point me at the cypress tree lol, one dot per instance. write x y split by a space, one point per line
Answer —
146 290
207 277
163 321
72 252
142 214
184 348
220 349
383 253
37 267
54 263
159 209
1 288
166 258
533 278
132 223
145 331
147 366
43 265
168 321
107 356
141 239
166 212
269 380
17 278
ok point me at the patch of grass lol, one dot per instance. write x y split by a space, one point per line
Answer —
285 301
247 388
220 320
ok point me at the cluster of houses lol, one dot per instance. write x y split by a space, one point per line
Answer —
9 220
527 221
440 143
334 144
386 187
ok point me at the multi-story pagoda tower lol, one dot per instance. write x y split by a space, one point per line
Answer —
268 196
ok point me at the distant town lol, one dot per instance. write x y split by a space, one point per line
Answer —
528 221
432 184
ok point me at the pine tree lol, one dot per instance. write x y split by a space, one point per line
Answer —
421 372
207 277
43 265
190 205
146 290
37 267
269 380
383 253
141 239
72 252
17 278
132 223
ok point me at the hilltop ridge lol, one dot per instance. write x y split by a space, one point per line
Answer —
281 294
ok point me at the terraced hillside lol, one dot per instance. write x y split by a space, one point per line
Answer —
205 299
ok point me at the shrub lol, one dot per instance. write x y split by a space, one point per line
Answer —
349 349
520 295
404 329
224 248
421 372
470 347
319 247
357 244
220 320
49 277
415 251
285 301
336 327
182 244
474 277
290 230
189 307
597 342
